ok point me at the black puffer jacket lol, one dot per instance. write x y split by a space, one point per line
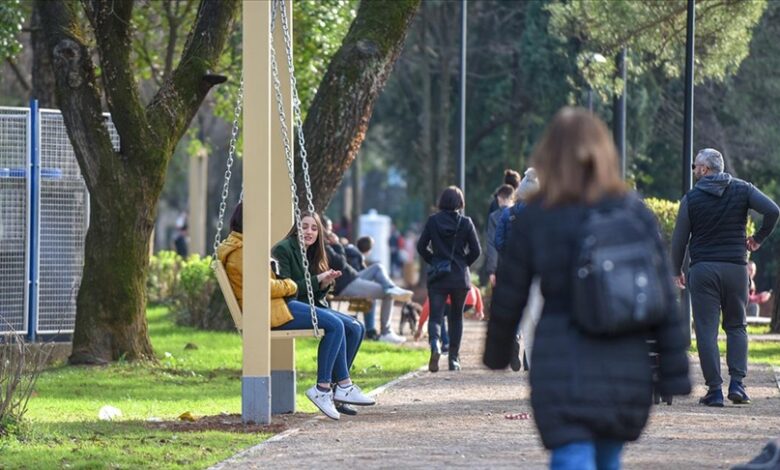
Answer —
441 231
583 387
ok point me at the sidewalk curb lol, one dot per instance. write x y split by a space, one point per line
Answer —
235 459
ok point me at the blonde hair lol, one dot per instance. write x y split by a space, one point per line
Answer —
576 160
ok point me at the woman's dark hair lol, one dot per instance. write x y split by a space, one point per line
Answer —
318 259
512 178
505 191
237 220
451 199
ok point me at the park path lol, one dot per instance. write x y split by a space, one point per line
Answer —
457 419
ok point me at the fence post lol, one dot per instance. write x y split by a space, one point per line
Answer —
33 238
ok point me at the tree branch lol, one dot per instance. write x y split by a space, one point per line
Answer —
18 73
111 23
177 101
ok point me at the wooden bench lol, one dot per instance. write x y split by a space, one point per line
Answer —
355 304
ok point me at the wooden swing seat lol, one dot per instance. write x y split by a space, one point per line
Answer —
235 309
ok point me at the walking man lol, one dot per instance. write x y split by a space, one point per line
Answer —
711 223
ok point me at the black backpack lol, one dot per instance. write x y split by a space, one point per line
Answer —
620 278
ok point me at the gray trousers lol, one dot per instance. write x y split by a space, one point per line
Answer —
717 287
372 283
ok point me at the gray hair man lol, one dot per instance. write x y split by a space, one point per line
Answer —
711 223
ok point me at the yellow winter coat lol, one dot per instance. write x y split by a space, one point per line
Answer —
231 254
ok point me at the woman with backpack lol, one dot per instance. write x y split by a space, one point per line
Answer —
591 385
449 245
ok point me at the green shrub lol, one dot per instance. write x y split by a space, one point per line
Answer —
666 213
163 276
197 300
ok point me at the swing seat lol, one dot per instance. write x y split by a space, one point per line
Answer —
235 309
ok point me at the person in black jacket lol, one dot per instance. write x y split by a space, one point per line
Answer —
590 394
448 235
711 224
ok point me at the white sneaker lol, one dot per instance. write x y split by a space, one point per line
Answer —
323 401
353 395
391 337
401 295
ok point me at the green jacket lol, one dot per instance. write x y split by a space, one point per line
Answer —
288 253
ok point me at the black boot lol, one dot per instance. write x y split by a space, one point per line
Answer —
454 361
433 363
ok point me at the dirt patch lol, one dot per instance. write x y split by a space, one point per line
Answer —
232 423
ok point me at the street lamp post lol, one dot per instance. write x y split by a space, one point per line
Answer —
619 120
688 136
462 150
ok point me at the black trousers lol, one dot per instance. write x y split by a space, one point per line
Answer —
438 300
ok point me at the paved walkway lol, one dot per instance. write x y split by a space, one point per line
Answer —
451 419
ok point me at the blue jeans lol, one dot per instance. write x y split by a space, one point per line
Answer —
338 346
602 454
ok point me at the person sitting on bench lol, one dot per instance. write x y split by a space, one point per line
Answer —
343 335
371 283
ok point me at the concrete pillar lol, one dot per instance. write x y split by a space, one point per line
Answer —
198 189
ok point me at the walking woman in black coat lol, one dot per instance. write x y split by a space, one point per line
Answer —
448 238
590 394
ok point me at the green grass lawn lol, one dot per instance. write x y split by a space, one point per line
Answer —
764 352
63 430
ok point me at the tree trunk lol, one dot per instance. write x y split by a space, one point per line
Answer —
43 85
113 289
124 186
336 123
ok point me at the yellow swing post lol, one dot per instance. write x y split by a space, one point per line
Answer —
268 379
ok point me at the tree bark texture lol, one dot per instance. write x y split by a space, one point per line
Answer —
336 123
124 186
42 74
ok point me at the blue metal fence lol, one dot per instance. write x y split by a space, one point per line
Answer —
44 215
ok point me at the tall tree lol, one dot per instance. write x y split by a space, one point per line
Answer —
337 121
124 185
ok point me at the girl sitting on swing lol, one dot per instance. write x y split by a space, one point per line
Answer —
343 334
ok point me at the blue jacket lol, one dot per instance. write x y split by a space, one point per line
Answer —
504 225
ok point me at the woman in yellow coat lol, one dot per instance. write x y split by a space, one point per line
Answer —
290 314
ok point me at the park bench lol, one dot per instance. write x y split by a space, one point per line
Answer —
354 304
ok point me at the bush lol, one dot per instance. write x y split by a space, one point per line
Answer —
20 366
197 300
666 213
163 276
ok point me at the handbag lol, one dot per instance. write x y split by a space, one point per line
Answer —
439 269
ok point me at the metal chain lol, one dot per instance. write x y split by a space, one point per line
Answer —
296 102
289 158
228 172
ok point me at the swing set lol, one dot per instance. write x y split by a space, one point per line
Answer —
268 383
219 269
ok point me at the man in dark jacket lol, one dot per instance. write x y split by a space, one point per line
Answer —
711 223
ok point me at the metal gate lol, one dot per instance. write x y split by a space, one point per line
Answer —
14 218
44 215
